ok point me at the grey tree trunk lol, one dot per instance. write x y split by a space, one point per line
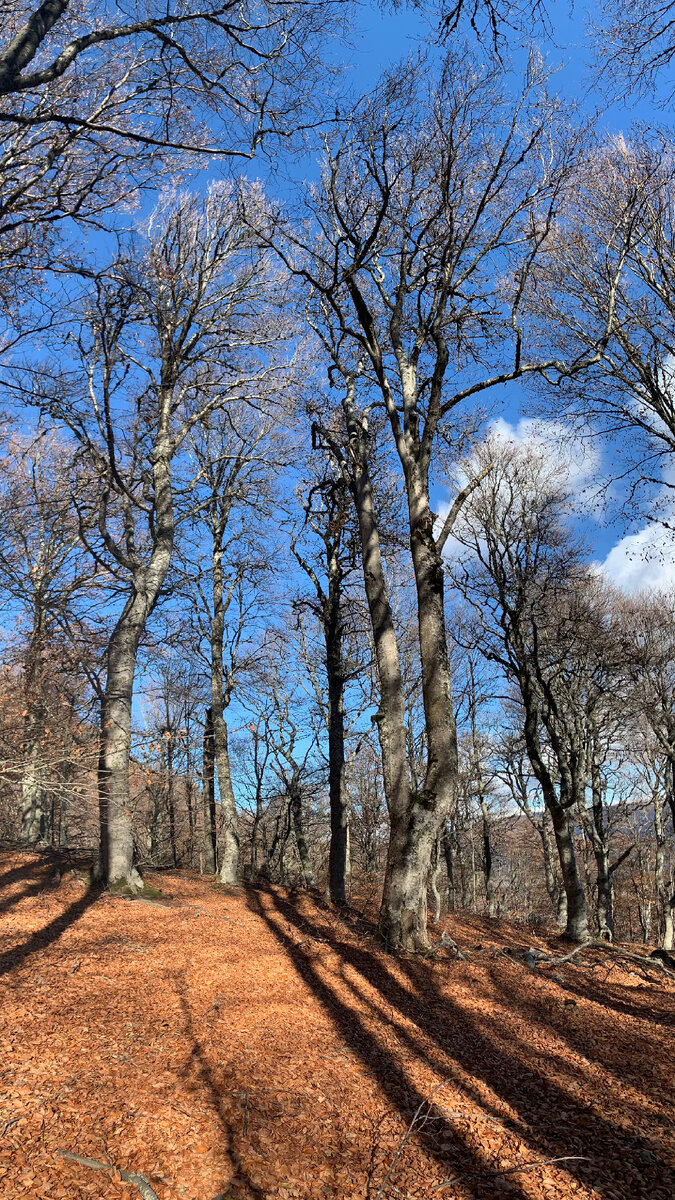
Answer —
34 813
117 846
663 890
209 795
576 924
220 696
228 871
403 912
487 859
337 786
439 790
295 800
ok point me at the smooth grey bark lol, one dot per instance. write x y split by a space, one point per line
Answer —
228 870
297 814
115 799
663 890
170 798
403 912
221 690
328 610
209 795
34 813
260 755
402 921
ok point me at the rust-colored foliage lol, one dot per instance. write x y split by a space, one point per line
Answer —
259 1045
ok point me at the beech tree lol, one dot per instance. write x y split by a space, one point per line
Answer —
521 561
428 203
648 638
43 575
607 287
236 452
328 515
96 102
171 332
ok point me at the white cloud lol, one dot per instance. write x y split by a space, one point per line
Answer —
645 559
577 458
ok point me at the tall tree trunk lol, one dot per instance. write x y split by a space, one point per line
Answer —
337 787
116 823
663 891
439 792
228 872
229 839
576 926
487 858
34 812
295 798
170 796
122 653
403 911
209 795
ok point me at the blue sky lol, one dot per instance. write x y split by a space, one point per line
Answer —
633 551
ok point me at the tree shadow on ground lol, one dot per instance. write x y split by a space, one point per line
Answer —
50 933
553 1113
200 1075
622 999
441 1137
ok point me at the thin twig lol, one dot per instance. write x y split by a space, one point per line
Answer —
138 1181
406 1137
542 1162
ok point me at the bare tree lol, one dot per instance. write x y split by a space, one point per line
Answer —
522 560
608 288
236 453
327 512
422 198
45 573
648 643
95 102
171 333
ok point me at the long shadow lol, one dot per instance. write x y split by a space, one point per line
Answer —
24 871
604 993
199 1059
11 901
390 1076
11 959
610 1052
512 1072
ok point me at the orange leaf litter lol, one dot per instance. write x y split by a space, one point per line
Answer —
258 1045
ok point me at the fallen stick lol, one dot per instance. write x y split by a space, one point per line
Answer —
545 1162
545 960
138 1181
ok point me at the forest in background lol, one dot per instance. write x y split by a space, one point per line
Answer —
282 602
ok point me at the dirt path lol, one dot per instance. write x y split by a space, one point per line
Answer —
256 1046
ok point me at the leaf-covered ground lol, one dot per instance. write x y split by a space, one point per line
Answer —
256 1045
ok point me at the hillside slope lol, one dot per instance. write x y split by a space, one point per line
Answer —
256 1045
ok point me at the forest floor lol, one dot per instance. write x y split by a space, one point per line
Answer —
255 1045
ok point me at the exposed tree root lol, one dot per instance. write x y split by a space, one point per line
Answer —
138 1181
537 958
